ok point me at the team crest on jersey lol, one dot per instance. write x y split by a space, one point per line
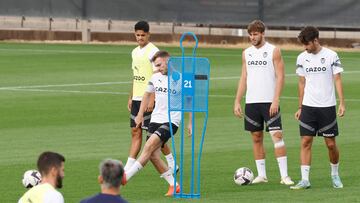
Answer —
265 54
322 60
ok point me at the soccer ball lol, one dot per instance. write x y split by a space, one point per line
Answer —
31 178
243 176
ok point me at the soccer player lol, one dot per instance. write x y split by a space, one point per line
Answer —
318 69
262 77
142 71
159 131
51 168
111 173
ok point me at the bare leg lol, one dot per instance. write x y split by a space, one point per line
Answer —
333 150
305 154
136 141
258 146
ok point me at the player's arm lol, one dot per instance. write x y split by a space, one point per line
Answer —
280 77
130 98
144 103
189 127
241 88
340 92
301 87
151 104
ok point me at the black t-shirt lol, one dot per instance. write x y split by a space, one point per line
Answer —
104 198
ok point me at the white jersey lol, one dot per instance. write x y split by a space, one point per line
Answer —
261 79
318 70
159 84
43 193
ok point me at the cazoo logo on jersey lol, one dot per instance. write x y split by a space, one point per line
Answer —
257 63
164 90
315 69
139 78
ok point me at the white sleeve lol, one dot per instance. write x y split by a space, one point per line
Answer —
336 65
53 197
152 53
151 87
299 66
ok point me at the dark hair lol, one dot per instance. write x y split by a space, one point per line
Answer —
308 34
112 172
161 54
142 25
48 160
256 26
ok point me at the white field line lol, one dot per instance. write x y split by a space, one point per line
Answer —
126 82
126 93
65 85
69 91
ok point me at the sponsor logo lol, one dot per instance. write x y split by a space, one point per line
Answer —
315 69
322 60
257 63
328 134
139 78
164 90
265 54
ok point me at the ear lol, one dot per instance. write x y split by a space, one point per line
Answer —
53 171
100 179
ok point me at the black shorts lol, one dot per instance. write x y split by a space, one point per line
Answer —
135 107
319 121
162 130
258 113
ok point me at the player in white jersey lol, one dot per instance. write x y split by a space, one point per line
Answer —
318 69
51 167
262 77
159 128
142 72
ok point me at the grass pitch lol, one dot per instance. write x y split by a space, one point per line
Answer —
72 99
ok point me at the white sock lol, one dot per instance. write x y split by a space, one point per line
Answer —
334 169
282 162
260 165
305 171
168 176
130 161
170 160
133 170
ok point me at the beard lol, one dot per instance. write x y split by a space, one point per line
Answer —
59 181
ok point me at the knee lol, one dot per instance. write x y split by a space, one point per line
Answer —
277 139
306 144
331 146
257 139
136 132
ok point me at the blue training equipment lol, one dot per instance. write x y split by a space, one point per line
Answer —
188 82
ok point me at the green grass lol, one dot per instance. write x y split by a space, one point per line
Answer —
88 123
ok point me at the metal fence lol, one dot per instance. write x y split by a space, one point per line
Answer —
289 13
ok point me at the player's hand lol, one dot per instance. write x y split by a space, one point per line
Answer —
237 110
129 104
341 110
274 108
139 119
297 114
